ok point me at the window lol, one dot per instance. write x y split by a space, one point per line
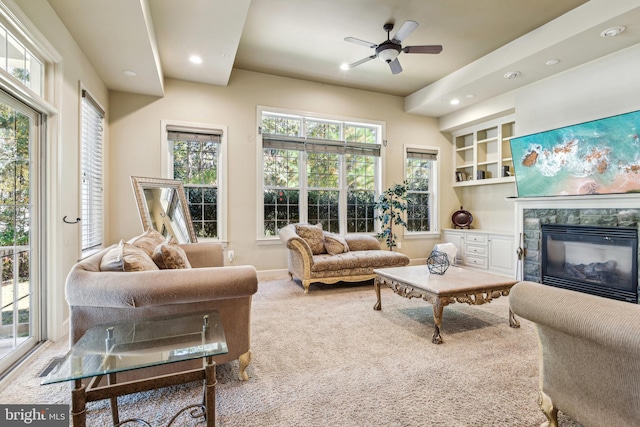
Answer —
319 170
91 138
20 62
195 155
421 171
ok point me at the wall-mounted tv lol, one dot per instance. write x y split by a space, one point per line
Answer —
597 157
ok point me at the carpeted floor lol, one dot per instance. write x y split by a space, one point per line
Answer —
328 359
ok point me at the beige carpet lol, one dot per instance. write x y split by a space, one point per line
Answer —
328 359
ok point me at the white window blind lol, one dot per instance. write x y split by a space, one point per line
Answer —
422 153
319 145
91 141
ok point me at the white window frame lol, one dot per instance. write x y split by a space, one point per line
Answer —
93 216
49 104
434 190
302 185
166 162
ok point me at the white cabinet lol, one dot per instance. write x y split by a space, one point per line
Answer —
484 250
482 153
503 254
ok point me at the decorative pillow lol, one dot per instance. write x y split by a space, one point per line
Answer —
113 260
335 244
312 234
148 241
168 255
126 257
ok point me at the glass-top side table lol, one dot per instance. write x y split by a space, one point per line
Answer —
108 349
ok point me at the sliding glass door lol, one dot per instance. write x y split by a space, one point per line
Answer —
19 207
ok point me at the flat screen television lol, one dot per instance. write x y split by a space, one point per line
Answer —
597 157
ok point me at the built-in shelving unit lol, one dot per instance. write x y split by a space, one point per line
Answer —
483 153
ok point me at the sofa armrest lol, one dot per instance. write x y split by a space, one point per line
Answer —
610 323
362 242
204 254
290 238
158 287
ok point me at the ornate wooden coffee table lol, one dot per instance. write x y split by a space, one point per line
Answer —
455 285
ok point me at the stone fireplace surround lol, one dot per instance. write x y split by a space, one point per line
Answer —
620 210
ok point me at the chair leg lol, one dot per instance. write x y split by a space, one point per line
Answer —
245 360
550 411
306 284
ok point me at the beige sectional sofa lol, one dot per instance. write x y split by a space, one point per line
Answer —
121 282
319 256
589 366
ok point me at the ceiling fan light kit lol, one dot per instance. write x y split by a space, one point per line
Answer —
389 49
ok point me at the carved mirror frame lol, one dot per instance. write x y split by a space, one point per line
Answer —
145 189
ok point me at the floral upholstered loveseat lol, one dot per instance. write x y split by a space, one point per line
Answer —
319 256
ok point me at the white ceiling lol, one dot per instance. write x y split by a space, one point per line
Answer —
304 39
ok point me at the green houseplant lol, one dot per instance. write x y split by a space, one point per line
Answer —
390 207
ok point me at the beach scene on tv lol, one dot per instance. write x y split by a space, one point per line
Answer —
596 157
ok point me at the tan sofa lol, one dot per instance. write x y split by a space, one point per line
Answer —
312 263
589 354
96 297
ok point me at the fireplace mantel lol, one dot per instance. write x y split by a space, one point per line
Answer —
608 201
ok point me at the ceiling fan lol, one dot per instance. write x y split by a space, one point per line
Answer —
389 49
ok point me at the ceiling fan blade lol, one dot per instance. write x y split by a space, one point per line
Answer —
404 31
436 48
362 61
362 42
395 66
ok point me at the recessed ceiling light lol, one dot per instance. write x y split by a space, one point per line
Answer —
612 32
195 59
512 75
470 95
454 101
344 66
552 61
129 73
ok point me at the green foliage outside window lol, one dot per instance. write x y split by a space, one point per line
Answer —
323 208
14 177
418 175
195 163
14 191
281 207
283 171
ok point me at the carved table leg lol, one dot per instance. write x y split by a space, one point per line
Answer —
438 308
376 286
513 322
550 411
244 360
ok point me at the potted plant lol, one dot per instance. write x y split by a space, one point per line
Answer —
390 208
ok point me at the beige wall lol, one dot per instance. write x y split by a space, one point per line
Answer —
62 152
136 148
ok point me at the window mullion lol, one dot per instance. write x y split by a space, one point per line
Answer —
303 188
342 198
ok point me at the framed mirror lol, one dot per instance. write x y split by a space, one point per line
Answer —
162 205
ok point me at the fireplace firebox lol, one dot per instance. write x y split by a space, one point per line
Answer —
598 260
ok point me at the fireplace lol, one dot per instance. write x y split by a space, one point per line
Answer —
597 260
